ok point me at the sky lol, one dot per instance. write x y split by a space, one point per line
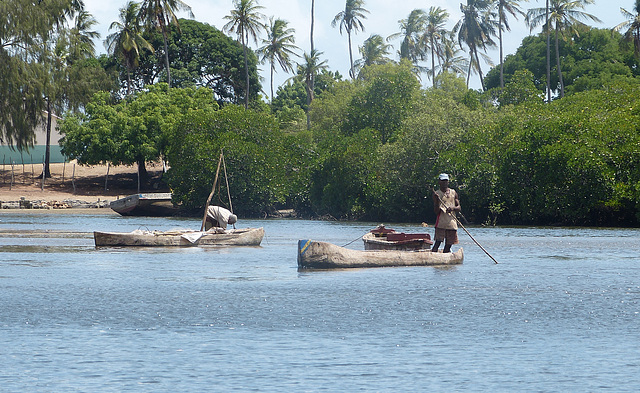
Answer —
382 19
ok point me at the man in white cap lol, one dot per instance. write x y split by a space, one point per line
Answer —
446 204
219 217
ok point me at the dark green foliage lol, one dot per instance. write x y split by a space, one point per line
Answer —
200 55
590 60
255 160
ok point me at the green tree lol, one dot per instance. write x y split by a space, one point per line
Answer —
434 35
504 7
22 101
161 14
632 26
564 15
126 42
245 22
202 55
278 47
254 156
374 50
351 20
475 29
411 30
308 70
384 102
133 131
520 89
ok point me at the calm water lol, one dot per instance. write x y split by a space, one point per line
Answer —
561 312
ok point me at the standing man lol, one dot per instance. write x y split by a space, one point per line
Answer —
445 204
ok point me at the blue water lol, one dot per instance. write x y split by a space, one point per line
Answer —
561 312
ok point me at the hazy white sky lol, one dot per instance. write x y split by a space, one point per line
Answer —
382 19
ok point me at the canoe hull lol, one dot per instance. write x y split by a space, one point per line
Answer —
232 237
321 255
149 205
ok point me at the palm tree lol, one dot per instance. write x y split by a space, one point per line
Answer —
313 18
504 7
411 31
161 14
245 22
374 50
475 29
632 26
81 36
434 35
351 20
127 41
278 47
451 60
563 15
308 70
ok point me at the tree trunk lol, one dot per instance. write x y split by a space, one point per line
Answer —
143 175
351 73
501 50
166 56
47 150
558 65
548 56
313 77
246 71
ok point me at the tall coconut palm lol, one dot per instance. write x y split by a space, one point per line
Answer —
162 14
246 22
311 66
452 60
504 7
434 34
278 47
351 19
632 26
475 29
374 50
411 31
126 41
564 15
81 36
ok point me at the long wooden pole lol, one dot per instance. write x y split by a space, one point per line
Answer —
462 226
213 190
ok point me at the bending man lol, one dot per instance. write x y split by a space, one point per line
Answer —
219 217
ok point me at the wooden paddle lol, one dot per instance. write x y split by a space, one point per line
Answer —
213 190
462 226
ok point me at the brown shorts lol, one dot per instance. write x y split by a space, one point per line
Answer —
449 236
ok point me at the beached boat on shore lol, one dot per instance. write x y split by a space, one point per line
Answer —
382 238
321 255
214 237
155 204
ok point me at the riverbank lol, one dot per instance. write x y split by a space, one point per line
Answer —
71 186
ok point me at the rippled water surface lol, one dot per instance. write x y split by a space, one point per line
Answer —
561 312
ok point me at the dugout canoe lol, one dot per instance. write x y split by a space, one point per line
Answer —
154 204
382 238
322 255
184 238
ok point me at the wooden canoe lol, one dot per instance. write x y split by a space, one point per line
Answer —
396 241
321 255
156 204
139 238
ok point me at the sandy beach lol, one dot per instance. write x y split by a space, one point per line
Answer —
72 182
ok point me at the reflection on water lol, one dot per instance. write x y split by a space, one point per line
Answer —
559 313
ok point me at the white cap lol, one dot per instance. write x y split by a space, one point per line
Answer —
443 176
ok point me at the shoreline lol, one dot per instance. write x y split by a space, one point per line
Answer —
71 187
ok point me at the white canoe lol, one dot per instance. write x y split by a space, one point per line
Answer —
230 237
150 204
321 255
